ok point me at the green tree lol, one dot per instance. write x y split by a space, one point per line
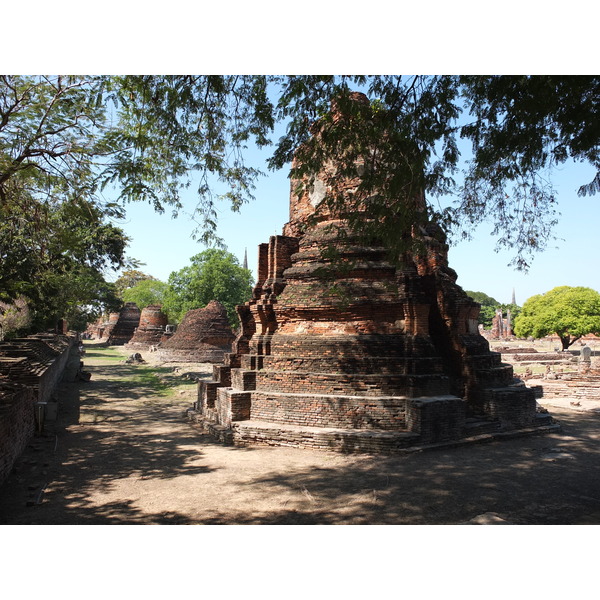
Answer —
14 317
146 292
488 307
213 275
128 279
519 129
569 312
54 254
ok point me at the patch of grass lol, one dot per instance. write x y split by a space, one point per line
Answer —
145 377
105 354
160 382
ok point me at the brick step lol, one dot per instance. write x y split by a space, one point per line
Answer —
485 361
312 409
324 438
474 426
349 346
500 376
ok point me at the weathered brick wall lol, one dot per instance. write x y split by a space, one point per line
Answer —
336 411
17 424
30 368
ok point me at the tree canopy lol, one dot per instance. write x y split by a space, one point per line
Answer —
569 312
53 255
212 275
73 143
489 306
149 135
146 292
129 279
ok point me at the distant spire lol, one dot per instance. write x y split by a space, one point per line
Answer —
245 265
513 301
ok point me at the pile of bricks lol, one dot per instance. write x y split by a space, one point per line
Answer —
204 335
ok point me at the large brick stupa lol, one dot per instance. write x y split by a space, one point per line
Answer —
353 351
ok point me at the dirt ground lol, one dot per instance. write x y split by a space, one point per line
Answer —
121 452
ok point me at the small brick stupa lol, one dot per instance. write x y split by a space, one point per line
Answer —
105 327
204 335
358 352
122 331
150 330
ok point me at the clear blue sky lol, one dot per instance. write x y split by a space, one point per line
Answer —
165 244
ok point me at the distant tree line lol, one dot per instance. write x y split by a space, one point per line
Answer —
489 306
214 274
567 312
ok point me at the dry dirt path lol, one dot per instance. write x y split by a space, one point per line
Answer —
121 452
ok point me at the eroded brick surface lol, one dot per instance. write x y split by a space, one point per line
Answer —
204 335
30 368
358 342
150 330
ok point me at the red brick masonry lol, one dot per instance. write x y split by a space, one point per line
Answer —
354 351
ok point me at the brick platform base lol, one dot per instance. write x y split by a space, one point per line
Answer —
364 441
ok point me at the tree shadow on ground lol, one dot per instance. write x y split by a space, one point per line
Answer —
77 471
539 480
96 442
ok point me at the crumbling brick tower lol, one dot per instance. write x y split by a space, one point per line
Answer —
150 329
123 330
352 351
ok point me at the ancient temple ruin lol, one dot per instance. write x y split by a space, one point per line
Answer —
105 327
204 335
122 331
501 326
353 351
151 329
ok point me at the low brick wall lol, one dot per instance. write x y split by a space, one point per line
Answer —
30 368
17 424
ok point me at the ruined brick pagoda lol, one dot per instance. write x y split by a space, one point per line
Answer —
151 329
204 335
122 331
381 356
